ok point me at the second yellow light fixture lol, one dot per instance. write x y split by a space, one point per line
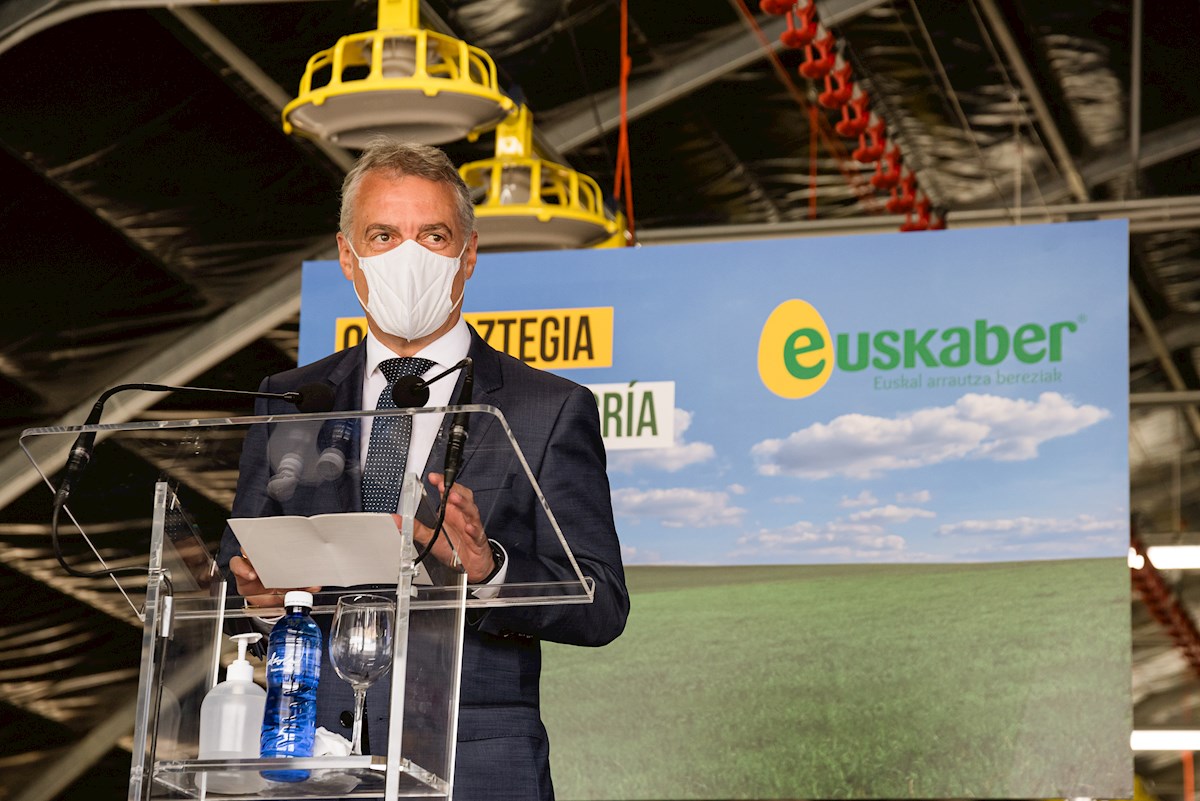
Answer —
532 204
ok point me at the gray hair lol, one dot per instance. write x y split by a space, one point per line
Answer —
399 158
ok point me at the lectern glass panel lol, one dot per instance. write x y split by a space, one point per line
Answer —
298 518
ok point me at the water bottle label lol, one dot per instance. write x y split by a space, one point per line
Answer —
288 662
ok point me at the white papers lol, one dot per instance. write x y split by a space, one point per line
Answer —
333 550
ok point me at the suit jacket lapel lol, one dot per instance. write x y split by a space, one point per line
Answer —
488 380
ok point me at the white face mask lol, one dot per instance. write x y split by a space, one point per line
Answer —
408 288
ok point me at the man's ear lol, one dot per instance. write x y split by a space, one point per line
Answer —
468 259
345 257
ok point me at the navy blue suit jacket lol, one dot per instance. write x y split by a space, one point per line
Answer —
502 749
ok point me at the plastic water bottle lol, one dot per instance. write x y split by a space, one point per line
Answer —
293 672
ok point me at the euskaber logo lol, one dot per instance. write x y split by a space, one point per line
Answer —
795 351
797 354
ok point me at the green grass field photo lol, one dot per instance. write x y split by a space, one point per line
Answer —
994 680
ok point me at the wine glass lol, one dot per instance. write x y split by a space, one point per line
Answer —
360 647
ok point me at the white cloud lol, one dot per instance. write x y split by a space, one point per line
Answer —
976 426
678 507
859 553
836 540
891 514
864 498
798 533
672 459
1018 426
883 542
1053 548
840 527
736 489
632 555
1035 526
827 536
920 496
788 499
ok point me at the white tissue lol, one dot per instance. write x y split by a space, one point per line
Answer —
328 743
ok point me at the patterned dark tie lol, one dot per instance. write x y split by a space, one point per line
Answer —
387 451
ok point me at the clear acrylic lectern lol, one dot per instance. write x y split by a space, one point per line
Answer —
299 466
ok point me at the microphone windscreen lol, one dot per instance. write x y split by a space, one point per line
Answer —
331 464
410 391
282 487
314 398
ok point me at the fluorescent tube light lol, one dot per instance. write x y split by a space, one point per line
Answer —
1165 740
1174 557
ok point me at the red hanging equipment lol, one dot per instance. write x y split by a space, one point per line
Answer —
902 202
855 116
801 35
776 7
838 86
818 66
887 171
876 135
922 222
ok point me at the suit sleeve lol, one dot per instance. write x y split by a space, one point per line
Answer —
573 478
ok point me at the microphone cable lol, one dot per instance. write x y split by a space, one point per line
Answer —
454 447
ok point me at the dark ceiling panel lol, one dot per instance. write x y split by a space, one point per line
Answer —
77 295
152 139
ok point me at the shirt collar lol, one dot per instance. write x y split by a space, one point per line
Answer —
450 348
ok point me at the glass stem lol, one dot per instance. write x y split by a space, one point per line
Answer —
360 696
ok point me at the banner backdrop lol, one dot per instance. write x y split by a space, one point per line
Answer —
873 499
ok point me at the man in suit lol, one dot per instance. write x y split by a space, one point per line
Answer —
408 244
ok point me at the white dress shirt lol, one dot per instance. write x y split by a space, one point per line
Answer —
449 349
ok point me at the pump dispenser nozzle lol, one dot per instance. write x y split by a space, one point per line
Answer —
241 669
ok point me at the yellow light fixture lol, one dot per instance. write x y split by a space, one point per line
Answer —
532 204
621 238
399 80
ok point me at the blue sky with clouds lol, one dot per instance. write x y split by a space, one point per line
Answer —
856 471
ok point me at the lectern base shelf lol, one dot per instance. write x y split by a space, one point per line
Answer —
329 777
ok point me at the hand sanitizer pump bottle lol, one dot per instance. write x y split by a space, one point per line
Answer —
230 722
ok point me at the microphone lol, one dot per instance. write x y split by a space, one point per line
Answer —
295 442
299 443
310 398
335 441
454 449
458 429
411 391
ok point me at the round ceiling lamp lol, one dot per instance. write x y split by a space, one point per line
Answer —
399 80
527 203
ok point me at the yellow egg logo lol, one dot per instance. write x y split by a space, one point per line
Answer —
795 351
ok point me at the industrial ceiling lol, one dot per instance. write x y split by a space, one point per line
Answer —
155 215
